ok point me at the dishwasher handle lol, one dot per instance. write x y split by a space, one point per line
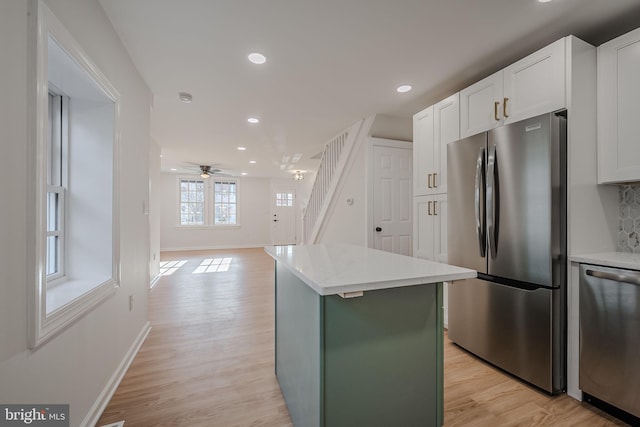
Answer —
633 279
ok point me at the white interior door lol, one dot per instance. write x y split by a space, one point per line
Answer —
392 204
283 218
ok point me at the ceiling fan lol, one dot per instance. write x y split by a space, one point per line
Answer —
206 171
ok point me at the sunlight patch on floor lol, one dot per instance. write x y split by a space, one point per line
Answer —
213 265
167 268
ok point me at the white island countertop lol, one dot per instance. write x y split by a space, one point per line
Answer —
610 259
331 269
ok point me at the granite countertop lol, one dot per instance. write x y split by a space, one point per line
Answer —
610 259
331 269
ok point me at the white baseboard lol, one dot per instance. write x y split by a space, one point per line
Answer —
154 281
206 248
110 388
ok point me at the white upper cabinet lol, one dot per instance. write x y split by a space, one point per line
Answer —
619 109
532 86
535 85
423 138
446 120
433 129
480 104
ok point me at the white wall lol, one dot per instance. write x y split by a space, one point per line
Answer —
89 195
254 214
154 210
390 127
75 366
349 223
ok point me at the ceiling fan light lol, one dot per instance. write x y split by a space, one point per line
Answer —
185 97
205 171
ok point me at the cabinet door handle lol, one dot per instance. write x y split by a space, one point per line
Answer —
429 181
435 208
495 110
504 108
429 208
435 181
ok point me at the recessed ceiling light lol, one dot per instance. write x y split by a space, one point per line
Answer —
253 120
544 1
173 169
257 58
242 148
244 173
185 97
404 88
253 162
160 155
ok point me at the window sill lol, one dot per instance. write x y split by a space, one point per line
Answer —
63 292
66 301
207 227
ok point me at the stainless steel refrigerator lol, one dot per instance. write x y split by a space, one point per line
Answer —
507 220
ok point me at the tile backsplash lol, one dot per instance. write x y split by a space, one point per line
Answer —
629 219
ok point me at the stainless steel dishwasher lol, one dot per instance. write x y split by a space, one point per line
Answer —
610 339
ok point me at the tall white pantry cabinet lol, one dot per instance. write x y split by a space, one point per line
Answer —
433 128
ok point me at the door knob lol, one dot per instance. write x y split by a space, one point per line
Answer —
378 229
275 220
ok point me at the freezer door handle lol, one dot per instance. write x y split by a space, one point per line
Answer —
492 201
479 204
632 279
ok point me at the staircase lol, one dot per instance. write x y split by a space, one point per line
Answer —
333 163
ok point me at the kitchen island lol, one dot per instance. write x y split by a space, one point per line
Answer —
359 337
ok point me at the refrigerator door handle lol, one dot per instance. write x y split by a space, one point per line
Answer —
492 202
479 203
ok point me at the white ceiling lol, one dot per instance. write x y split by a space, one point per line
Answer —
329 63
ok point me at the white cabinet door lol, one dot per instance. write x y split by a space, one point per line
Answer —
423 227
535 84
440 228
430 234
423 138
430 227
446 129
478 109
619 109
532 86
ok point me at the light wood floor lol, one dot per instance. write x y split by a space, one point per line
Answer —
208 360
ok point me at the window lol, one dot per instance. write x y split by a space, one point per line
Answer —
207 202
225 202
74 241
192 202
284 199
56 178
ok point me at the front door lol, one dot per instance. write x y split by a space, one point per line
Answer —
392 183
283 218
